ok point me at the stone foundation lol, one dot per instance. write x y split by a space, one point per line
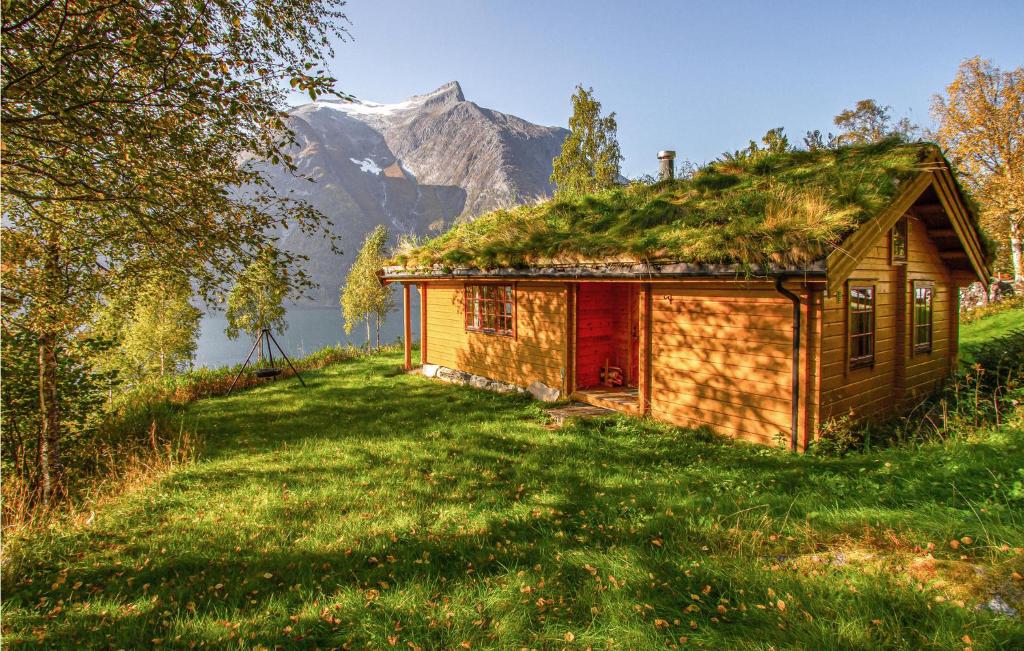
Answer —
538 390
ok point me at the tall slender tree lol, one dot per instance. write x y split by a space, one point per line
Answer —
590 155
363 297
981 127
155 329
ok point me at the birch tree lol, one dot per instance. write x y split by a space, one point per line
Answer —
155 329
363 298
981 127
590 155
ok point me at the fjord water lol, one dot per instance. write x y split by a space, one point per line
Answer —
309 330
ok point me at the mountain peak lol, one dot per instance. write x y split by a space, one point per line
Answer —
445 95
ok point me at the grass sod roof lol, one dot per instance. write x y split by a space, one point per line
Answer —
783 210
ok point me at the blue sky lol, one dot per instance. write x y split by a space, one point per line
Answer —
700 78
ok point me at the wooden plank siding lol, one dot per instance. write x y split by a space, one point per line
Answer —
811 353
722 357
926 371
536 352
899 376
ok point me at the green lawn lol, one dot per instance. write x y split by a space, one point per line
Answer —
974 335
376 509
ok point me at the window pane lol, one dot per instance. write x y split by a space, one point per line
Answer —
899 240
489 308
923 297
861 321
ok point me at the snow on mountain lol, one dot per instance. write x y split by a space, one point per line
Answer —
359 107
367 165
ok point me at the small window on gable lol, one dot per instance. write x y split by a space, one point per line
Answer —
490 309
924 295
898 240
861 325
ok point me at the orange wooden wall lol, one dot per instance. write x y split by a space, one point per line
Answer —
722 357
537 352
899 375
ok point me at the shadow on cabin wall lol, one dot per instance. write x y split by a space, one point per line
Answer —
535 352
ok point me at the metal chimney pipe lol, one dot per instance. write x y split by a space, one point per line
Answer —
666 165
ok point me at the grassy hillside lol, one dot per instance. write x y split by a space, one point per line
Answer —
378 509
976 334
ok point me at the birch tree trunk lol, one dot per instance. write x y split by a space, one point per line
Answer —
1016 254
48 456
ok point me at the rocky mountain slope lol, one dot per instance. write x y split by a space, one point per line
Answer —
416 166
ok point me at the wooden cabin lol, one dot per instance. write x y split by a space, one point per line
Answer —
858 317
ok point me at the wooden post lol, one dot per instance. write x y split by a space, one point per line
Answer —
953 316
407 324
423 322
569 379
900 313
644 363
811 344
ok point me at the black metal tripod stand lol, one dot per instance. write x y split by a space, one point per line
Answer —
265 337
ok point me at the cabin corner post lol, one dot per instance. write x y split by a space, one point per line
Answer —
569 370
645 346
812 336
422 287
406 327
954 326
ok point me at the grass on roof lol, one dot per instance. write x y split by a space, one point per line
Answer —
786 209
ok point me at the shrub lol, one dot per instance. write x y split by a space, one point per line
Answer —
1012 302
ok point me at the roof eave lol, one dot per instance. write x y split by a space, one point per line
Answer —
607 271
